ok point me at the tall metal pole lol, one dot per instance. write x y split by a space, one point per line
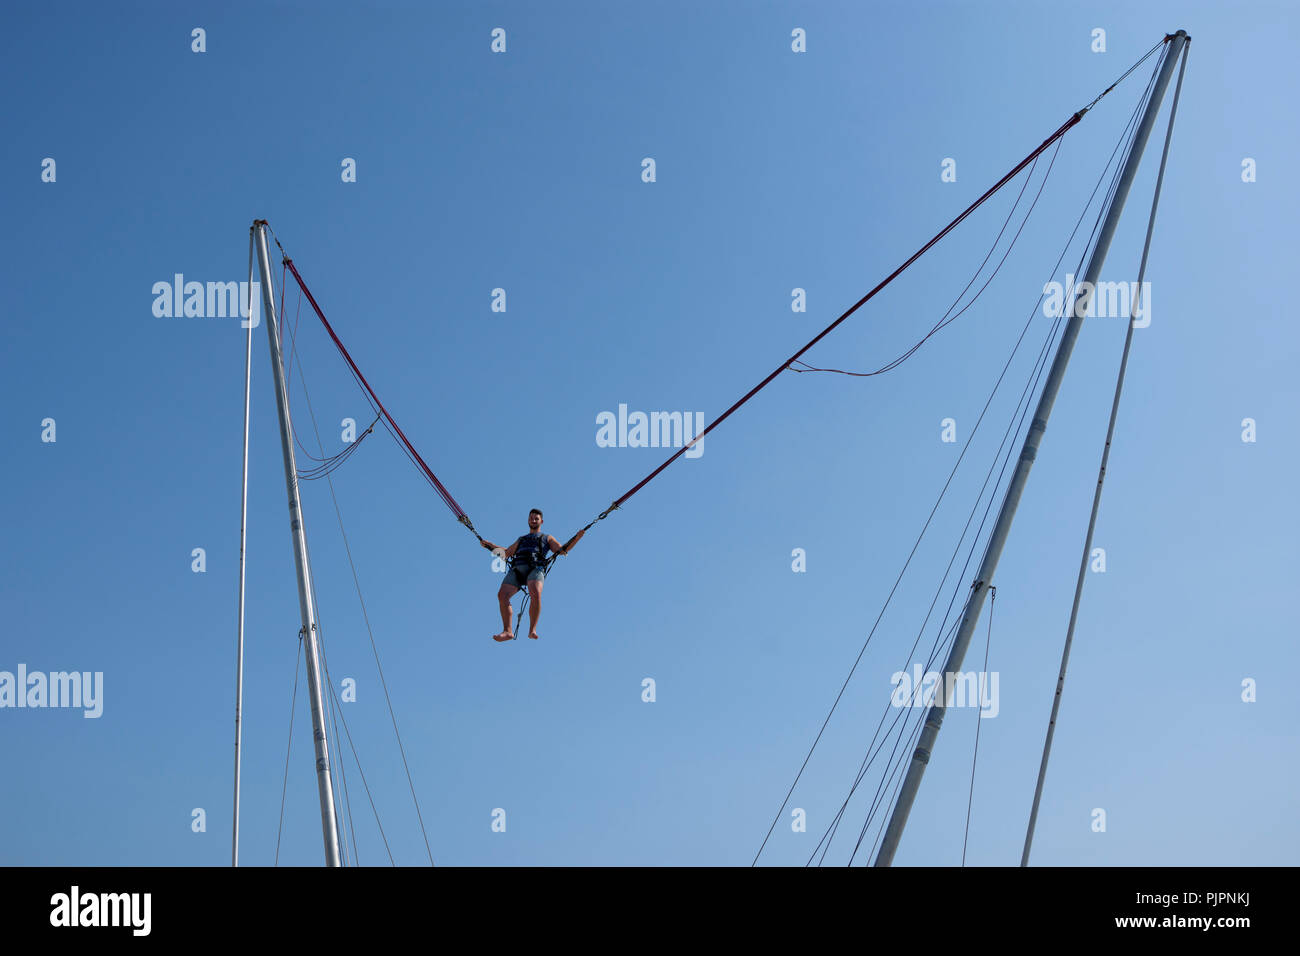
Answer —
1101 476
934 717
243 541
310 632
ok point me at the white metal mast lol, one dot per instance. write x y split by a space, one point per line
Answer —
310 632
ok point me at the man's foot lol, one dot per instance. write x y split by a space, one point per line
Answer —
503 636
532 635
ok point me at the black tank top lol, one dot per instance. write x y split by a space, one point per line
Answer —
531 548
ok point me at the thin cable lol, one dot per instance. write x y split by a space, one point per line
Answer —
339 820
1035 373
970 799
364 782
1013 431
356 581
946 633
344 805
951 475
969 557
916 545
288 749
1167 38
944 637
428 472
948 317
1093 239
329 680
343 816
297 314
828 836
1022 409
1126 142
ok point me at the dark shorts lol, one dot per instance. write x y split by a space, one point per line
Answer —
517 577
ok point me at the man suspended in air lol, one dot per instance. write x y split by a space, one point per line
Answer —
527 557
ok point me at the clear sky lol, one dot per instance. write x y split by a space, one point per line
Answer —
522 170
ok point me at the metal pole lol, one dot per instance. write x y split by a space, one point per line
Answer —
243 541
1101 477
302 562
998 537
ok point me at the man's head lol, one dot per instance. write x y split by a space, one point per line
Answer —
534 519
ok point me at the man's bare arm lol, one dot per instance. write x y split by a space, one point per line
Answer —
507 553
560 549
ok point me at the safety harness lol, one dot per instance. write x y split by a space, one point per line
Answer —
530 552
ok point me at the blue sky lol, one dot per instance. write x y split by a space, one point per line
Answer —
522 170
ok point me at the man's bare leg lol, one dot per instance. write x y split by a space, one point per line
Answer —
504 595
534 607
